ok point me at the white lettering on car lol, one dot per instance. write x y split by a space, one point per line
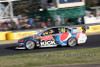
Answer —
48 43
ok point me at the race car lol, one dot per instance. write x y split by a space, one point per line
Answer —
52 37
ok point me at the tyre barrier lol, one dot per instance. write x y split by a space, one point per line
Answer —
3 35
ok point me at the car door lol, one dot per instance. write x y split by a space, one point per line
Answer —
48 38
63 36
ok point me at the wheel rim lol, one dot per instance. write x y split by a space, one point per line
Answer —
72 42
30 45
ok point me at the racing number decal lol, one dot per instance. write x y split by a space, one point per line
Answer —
61 30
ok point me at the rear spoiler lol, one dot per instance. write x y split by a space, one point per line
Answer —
83 28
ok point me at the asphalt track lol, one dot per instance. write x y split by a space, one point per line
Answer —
9 49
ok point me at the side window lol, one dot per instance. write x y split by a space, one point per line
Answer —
51 31
68 30
45 33
55 31
62 30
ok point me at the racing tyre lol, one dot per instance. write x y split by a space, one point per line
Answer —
72 42
30 44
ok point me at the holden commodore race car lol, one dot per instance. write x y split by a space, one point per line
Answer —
52 37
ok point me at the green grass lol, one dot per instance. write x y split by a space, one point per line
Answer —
90 55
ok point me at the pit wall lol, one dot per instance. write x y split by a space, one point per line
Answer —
9 35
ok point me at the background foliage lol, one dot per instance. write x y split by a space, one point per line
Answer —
28 6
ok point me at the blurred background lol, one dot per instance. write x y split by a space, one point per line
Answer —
29 14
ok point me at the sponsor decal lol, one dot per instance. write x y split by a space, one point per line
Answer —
23 34
77 36
64 36
95 28
36 37
47 43
82 38
46 38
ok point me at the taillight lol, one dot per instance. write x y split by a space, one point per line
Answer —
22 40
83 31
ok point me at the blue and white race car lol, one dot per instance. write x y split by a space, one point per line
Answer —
52 37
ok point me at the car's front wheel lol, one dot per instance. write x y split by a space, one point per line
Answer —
72 42
30 44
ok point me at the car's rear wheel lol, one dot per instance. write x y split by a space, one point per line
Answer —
30 44
72 42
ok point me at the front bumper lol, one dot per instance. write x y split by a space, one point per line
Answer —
20 46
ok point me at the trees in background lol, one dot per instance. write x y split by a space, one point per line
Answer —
26 6
91 3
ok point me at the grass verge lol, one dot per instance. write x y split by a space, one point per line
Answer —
90 55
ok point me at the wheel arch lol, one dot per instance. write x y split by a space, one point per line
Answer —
31 40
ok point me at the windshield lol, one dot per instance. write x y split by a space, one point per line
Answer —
39 32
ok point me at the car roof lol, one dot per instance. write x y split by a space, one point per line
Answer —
55 27
58 27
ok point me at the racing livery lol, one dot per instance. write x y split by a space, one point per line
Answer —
52 37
